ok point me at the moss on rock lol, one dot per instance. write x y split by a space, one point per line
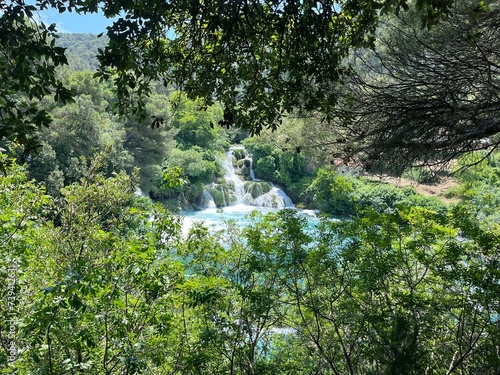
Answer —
257 188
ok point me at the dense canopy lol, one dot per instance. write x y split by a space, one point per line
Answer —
427 92
258 58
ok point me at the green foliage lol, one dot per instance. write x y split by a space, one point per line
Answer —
100 287
479 184
79 131
332 193
82 129
198 168
394 110
81 50
258 60
254 67
386 198
422 175
28 65
346 195
323 188
266 167
386 293
273 164
99 281
172 177
149 147
85 283
239 154
194 164
83 83
195 126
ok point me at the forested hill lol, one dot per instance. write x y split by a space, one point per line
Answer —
81 49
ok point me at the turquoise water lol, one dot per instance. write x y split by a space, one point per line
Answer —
215 218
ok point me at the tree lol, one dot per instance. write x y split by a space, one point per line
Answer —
149 145
257 58
422 97
395 293
79 130
28 61
93 290
94 285
81 50
195 127
332 193
479 187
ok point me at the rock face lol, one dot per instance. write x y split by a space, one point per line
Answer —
239 186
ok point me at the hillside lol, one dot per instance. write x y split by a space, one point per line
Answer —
81 49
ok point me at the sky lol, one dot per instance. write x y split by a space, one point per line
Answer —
75 23
72 22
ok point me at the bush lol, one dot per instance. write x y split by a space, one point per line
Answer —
194 165
239 153
332 193
265 167
342 195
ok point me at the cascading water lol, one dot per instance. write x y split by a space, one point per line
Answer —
240 194
253 192
232 178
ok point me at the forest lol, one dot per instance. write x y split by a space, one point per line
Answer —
97 275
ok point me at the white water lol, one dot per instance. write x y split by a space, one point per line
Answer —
275 198
231 176
214 217
208 200
139 193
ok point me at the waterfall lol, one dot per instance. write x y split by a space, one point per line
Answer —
252 173
207 200
250 191
238 194
232 178
139 193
